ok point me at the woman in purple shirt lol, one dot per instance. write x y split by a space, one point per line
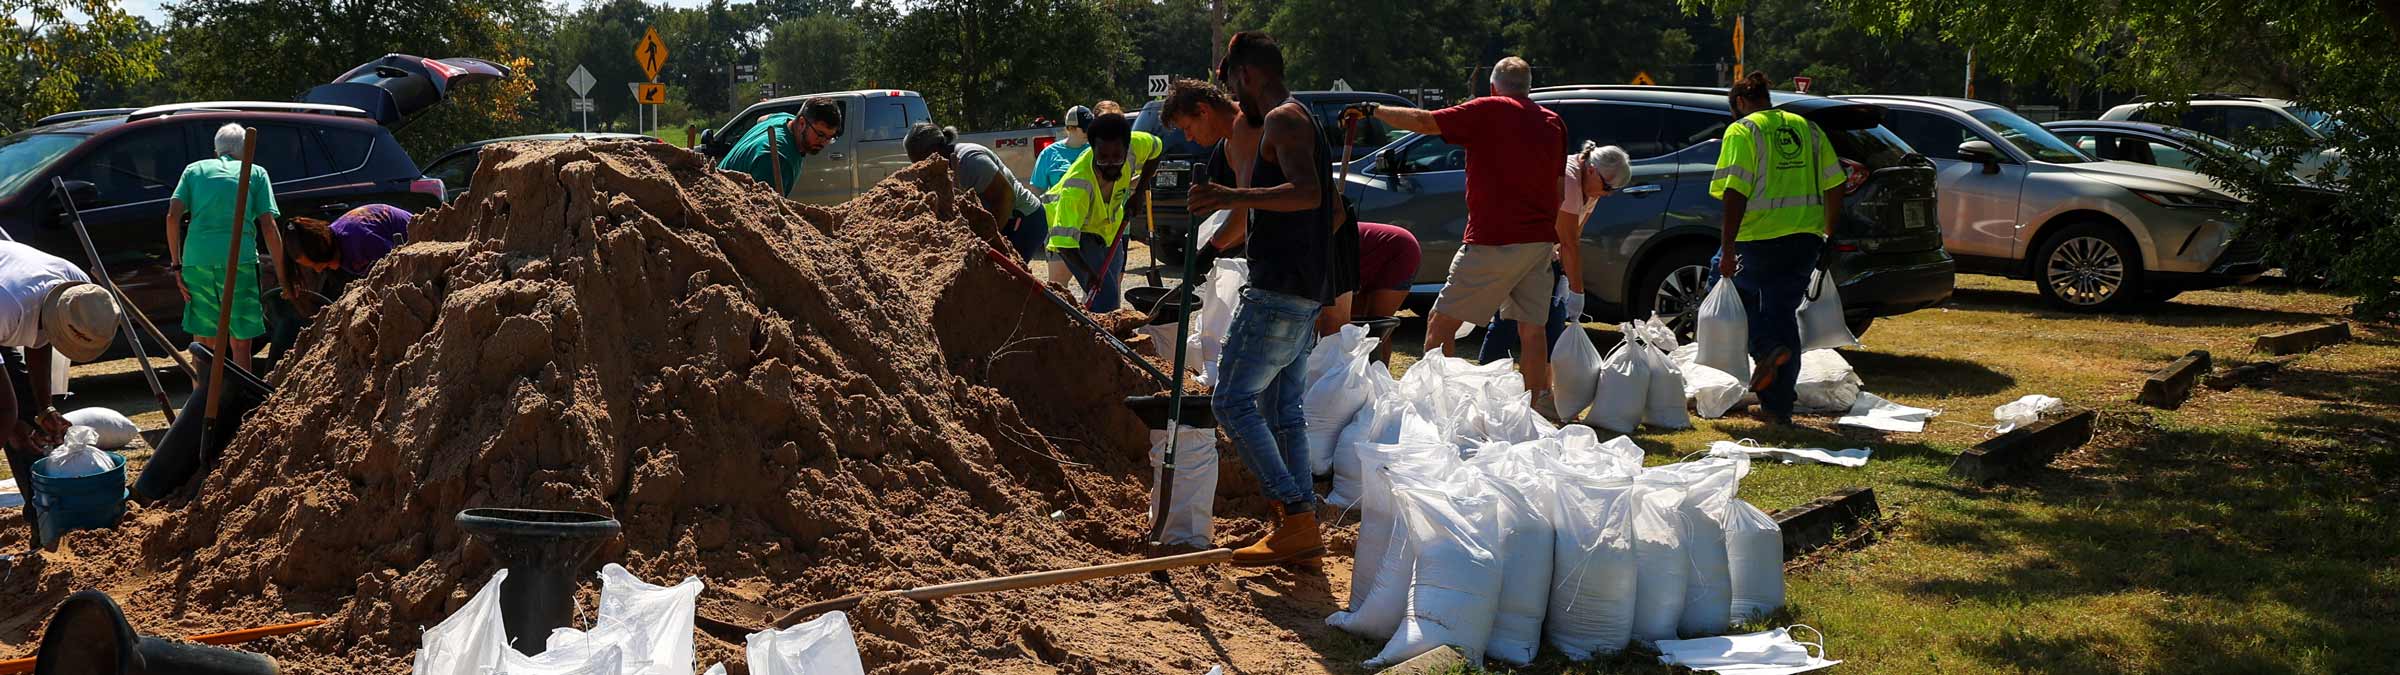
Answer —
323 258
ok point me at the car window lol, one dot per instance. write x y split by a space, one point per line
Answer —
282 151
24 156
1875 147
1632 127
1431 153
345 148
2084 141
2247 120
1372 133
2325 124
2029 137
138 166
1682 128
1932 135
456 170
916 110
887 120
2208 120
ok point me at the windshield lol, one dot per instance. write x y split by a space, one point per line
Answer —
24 156
2031 138
2324 124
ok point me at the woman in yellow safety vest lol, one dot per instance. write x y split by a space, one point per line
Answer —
1087 206
1782 187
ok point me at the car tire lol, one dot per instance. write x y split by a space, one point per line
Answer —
2090 267
1672 286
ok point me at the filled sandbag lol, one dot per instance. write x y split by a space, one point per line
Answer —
1574 373
1525 564
1708 591
1454 590
116 431
1624 387
1220 293
1663 401
1189 518
1826 382
1822 325
1376 423
1661 568
657 620
1754 558
1724 331
1593 566
822 646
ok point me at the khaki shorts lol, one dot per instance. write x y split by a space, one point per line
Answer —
1514 280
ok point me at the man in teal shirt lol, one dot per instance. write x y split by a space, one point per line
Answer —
1051 166
772 149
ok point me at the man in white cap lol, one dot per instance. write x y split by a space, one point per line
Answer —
46 304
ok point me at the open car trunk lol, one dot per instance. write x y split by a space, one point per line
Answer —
395 88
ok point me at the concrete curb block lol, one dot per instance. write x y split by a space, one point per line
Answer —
2171 386
1441 660
2028 447
1810 526
2303 339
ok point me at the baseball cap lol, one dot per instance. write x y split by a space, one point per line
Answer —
80 319
1081 117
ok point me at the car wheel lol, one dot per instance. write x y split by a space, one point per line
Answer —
2090 267
1672 288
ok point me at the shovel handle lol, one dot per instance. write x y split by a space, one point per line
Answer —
1014 582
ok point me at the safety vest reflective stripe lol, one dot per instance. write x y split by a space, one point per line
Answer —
1737 172
1785 202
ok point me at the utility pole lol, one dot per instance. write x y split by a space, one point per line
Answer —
1970 88
1216 33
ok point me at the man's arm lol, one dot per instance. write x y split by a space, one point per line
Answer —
1833 209
1408 119
1735 203
1289 140
48 424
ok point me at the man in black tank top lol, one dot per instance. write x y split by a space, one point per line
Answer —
1261 373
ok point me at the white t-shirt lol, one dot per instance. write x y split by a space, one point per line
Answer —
27 276
1570 188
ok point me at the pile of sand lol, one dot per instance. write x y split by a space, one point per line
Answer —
792 403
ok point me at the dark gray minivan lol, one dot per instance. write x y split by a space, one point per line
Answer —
1646 248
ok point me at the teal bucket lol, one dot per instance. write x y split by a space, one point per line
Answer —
79 503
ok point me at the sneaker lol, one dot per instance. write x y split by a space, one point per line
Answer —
1547 406
1762 375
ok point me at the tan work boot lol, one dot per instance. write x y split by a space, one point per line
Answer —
1296 538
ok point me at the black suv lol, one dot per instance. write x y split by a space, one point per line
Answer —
1646 248
325 156
1175 165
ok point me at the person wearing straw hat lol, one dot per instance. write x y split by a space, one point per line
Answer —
51 310
206 192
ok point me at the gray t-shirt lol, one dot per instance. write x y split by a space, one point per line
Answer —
978 165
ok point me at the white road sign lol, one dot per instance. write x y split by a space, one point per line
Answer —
582 105
1158 86
581 81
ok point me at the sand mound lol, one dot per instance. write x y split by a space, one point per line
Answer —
792 403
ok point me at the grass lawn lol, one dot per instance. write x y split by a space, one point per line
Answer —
2250 531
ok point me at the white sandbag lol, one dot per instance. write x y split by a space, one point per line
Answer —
1873 412
470 640
1724 332
1386 557
1624 388
1329 403
1190 516
115 430
1574 372
822 646
78 456
1661 567
1162 343
1662 403
1377 423
1822 325
1770 652
1525 564
1593 567
2023 411
1826 383
1335 350
1220 294
1708 592
1711 391
1454 591
1754 558
567 651
657 619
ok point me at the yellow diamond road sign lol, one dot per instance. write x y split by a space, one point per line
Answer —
651 53
1643 78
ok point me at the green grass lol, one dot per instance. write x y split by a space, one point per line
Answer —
2249 531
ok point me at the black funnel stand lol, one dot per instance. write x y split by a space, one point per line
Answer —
88 635
183 453
1154 410
544 553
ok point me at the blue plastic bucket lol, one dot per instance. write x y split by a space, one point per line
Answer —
79 503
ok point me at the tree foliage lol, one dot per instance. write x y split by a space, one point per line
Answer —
1586 41
988 64
63 48
818 52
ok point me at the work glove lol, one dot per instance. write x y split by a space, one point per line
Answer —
1358 111
1571 300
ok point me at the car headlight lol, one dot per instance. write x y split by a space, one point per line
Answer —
2186 201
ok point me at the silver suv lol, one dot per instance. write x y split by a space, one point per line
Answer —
2237 118
2094 235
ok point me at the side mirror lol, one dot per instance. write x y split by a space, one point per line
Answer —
708 137
82 193
1386 163
1981 151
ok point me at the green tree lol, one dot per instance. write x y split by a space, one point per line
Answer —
703 45
57 58
1584 41
1170 37
1376 45
601 39
818 52
989 64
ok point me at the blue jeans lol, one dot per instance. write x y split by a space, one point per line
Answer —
1260 377
1088 257
1772 279
1027 232
1500 336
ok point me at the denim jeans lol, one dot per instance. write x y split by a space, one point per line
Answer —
1500 336
1088 257
1260 376
1027 232
1772 279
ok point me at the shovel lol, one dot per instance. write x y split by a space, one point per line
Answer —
233 273
978 586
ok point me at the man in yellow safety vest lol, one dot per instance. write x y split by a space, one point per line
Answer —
1087 206
1782 187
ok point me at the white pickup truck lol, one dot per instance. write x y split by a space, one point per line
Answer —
870 148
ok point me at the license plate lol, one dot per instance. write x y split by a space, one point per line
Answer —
1169 179
1917 216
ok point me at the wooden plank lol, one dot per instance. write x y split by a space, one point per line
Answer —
2028 447
1815 524
2303 339
2171 386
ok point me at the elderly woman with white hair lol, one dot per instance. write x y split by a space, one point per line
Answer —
206 193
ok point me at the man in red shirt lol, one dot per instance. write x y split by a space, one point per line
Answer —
1515 153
